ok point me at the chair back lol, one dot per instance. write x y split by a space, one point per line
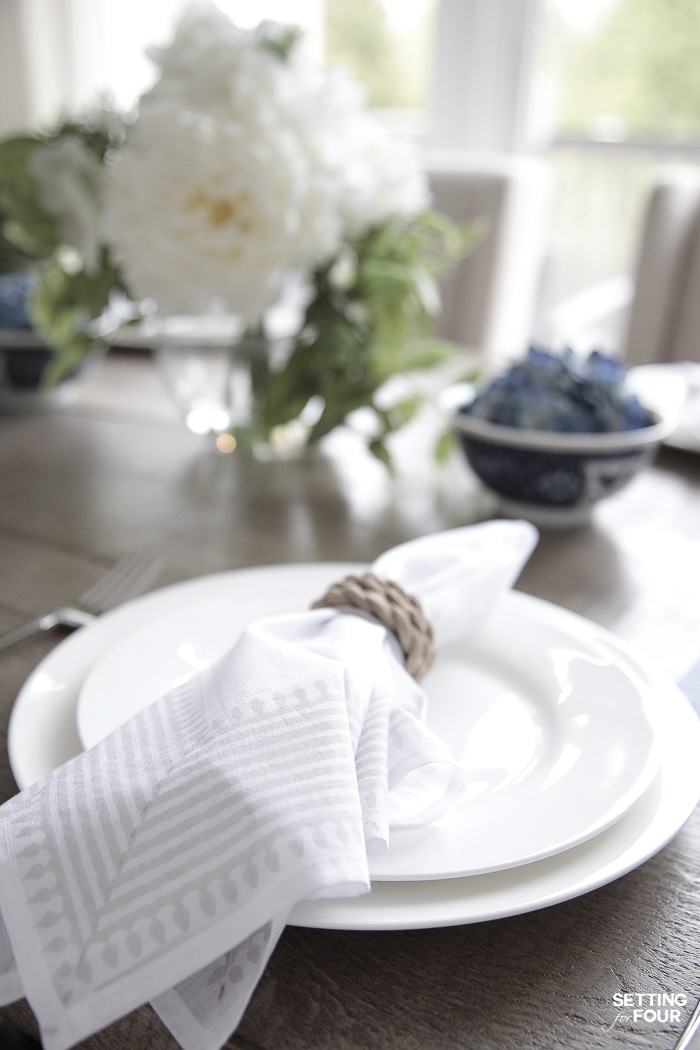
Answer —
488 303
663 323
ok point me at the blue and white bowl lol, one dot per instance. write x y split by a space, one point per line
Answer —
551 478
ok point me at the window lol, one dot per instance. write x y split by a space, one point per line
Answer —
608 93
74 50
387 44
617 97
624 69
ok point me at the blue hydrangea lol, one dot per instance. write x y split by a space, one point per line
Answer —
561 392
14 291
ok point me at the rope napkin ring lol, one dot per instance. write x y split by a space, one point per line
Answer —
397 610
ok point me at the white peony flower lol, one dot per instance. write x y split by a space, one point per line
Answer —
245 167
204 215
378 174
69 180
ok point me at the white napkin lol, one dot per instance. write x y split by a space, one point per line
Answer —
162 864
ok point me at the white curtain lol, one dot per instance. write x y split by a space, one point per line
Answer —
14 103
61 55
47 57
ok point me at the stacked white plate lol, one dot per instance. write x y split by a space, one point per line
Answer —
673 389
582 760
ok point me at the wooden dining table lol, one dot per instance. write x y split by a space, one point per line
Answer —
118 472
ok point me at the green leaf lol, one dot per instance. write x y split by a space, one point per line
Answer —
378 277
416 356
12 258
381 452
444 447
279 40
284 400
472 375
404 411
25 223
336 412
61 308
101 129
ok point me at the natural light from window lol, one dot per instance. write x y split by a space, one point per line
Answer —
617 83
387 44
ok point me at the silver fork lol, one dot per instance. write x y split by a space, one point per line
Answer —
130 576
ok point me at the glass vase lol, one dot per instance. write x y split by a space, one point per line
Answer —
217 373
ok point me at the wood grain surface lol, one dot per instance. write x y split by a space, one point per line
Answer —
118 472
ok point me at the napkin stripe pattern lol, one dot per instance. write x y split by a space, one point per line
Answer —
203 1010
100 911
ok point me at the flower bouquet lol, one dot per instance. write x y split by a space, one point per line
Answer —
248 177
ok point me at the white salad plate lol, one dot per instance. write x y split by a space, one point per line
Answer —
43 734
548 723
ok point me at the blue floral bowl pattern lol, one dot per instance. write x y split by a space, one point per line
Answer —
553 478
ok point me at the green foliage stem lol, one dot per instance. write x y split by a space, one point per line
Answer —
360 331
62 309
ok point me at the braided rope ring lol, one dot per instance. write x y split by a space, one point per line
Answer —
400 612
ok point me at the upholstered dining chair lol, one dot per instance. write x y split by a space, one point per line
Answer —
488 303
663 320
656 307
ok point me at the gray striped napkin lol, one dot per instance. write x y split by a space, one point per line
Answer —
162 864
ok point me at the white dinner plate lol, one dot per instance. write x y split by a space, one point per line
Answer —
43 734
548 722
673 389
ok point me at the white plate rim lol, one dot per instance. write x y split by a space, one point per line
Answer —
648 827
672 382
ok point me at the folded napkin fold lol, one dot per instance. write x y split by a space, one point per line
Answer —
162 864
